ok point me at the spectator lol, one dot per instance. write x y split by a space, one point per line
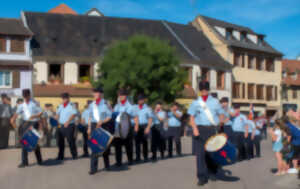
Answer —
6 113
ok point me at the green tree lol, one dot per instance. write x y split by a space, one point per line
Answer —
144 65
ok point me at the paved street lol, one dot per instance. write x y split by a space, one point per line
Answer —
176 173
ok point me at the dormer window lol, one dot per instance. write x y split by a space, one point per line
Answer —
243 36
260 40
294 75
228 33
284 74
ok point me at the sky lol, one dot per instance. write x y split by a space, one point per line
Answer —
279 20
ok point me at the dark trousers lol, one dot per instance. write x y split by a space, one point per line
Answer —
256 143
85 139
205 164
141 140
22 130
249 147
174 135
4 132
95 157
229 132
264 132
128 143
66 132
240 143
157 142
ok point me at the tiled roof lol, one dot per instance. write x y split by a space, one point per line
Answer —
63 9
248 44
291 67
86 37
10 26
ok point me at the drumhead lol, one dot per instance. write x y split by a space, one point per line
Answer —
215 142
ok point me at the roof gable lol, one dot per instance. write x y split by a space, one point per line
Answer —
13 27
62 9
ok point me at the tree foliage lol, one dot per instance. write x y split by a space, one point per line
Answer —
144 65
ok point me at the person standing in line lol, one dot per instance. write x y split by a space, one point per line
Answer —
6 113
240 130
85 122
145 117
31 114
257 140
250 139
174 129
228 115
158 139
19 121
65 115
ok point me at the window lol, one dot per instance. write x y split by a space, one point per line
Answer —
284 74
5 79
251 91
251 62
17 45
85 73
295 95
239 59
259 63
243 36
205 74
270 93
243 91
260 92
2 44
294 76
260 40
55 73
228 33
275 93
270 65
220 80
236 90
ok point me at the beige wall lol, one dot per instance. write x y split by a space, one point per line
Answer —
56 101
290 99
244 75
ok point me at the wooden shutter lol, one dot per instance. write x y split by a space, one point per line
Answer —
17 45
16 79
2 44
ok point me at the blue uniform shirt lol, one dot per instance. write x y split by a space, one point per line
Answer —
239 123
227 115
86 115
161 115
65 113
103 110
143 114
198 112
128 108
258 126
295 132
28 110
251 125
173 121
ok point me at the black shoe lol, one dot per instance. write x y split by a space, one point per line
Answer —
130 163
154 159
119 164
213 177
22 165
40 163
202 182
92 172
107 169
137 160
59 159
146 160
75 157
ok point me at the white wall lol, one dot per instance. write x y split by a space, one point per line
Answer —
95 70
40 72
221 30
196 72
237 35
213 79
253 38
71 73
8 55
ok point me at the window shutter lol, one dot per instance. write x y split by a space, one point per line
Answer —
16 79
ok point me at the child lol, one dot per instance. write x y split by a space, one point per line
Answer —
276 135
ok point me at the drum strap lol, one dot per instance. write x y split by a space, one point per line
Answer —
26 111
96 112
207 112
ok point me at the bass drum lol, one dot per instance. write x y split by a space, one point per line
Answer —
221 150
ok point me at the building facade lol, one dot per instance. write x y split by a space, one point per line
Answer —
256 76
15 58
290 84
66 54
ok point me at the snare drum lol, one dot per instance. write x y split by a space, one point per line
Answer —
122 124
221 150
99 141
30 140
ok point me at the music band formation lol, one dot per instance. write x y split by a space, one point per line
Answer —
133 125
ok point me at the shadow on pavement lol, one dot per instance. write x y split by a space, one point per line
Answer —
52 162
226 175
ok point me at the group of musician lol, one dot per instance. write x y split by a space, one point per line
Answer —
207 116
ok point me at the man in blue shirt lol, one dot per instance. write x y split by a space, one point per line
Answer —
65 115
174 129
205 115
144 114
99 117
31 114
83 128
158 141
257 139
228 115
240 130
124 105
249 140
